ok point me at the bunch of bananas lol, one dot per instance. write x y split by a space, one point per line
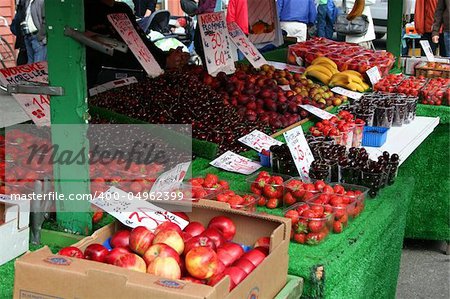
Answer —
349 79
322 69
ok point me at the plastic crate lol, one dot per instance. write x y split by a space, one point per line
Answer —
374 136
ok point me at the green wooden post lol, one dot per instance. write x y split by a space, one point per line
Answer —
394 27
67 68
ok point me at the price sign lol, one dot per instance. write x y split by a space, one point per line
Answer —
235 163
36 106
258 141
215 38
134 212
299 148
427 49
317 112
169 180
110 85
285 66
125 28
348 93
374 75
245 45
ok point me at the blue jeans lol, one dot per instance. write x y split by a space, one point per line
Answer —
36 50
325 22
447 43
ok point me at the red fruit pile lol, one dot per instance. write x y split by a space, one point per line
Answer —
436 92
411 86
197 254
389 83
269 188
245 202
206 187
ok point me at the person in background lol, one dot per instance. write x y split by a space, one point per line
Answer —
144 8
296 16
326 17
423 22
204 6
33 29
365 40
442 19
19 17
237 11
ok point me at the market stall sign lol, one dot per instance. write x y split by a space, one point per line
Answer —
374 75
125 28
245 45
233 162
134 211
427 49
348 93
171 179
301 153
112 84
285 66
259 141
216 45
36 106
317 111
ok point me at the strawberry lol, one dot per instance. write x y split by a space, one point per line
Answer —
300 226
262 201
255 189
319 185
248 198
261 182
272 203
222 197
337 227
336 200
296 188
97 217
235 201
272 191
315 226
328 189
318 209
327 210
338 189
312 239
340 210
309 195
288 199
263 174
343 220
293 215
301 208
210 180
224 184
199 193
300 238
309 214
276 180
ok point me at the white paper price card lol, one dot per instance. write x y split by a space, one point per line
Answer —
171 179
245 45
216 43
427 49
259 141
317 111
112 84
348 93
285 66
133 211
125 28
374 75
37 106
299 148
235 163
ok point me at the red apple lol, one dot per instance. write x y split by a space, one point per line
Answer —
215 236
182 215
131 261
160 250
120 239
201 262
114 254
199 241
225 257
216 279
166 267
254 256
96 252
236 276
168 226
72 252
262 242
171 238
245 265
192 279
141 239
186 236
194 228
229 252
224 225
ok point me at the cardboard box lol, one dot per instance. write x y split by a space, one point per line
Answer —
408 64
14 230
45 275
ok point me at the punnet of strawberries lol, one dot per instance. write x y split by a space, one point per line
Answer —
270 188
204 187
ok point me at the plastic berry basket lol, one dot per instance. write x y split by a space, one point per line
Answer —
374 136
248 203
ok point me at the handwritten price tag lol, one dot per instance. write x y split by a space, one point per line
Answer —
258 141
299 148
317 112
285 66
215 38
235 163
427 49
245 45
348 93
169 180
36 106
134 212
110 85
125 28
374 75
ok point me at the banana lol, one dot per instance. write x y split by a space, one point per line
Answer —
322 77
352 77
365 86
340 78
357 9
323 59
355 87
358 74
330 67
319 68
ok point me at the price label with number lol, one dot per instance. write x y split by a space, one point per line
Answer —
317 112
125 28
235 163
169 180
134 212
37 106
348 93
374 75
245 45
259 141
216 43
112 84
301 153
427 49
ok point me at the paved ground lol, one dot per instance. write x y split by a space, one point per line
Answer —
424 271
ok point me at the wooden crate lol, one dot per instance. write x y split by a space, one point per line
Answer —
433 70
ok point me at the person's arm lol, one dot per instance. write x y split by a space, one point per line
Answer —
438 20
231 11
150 7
